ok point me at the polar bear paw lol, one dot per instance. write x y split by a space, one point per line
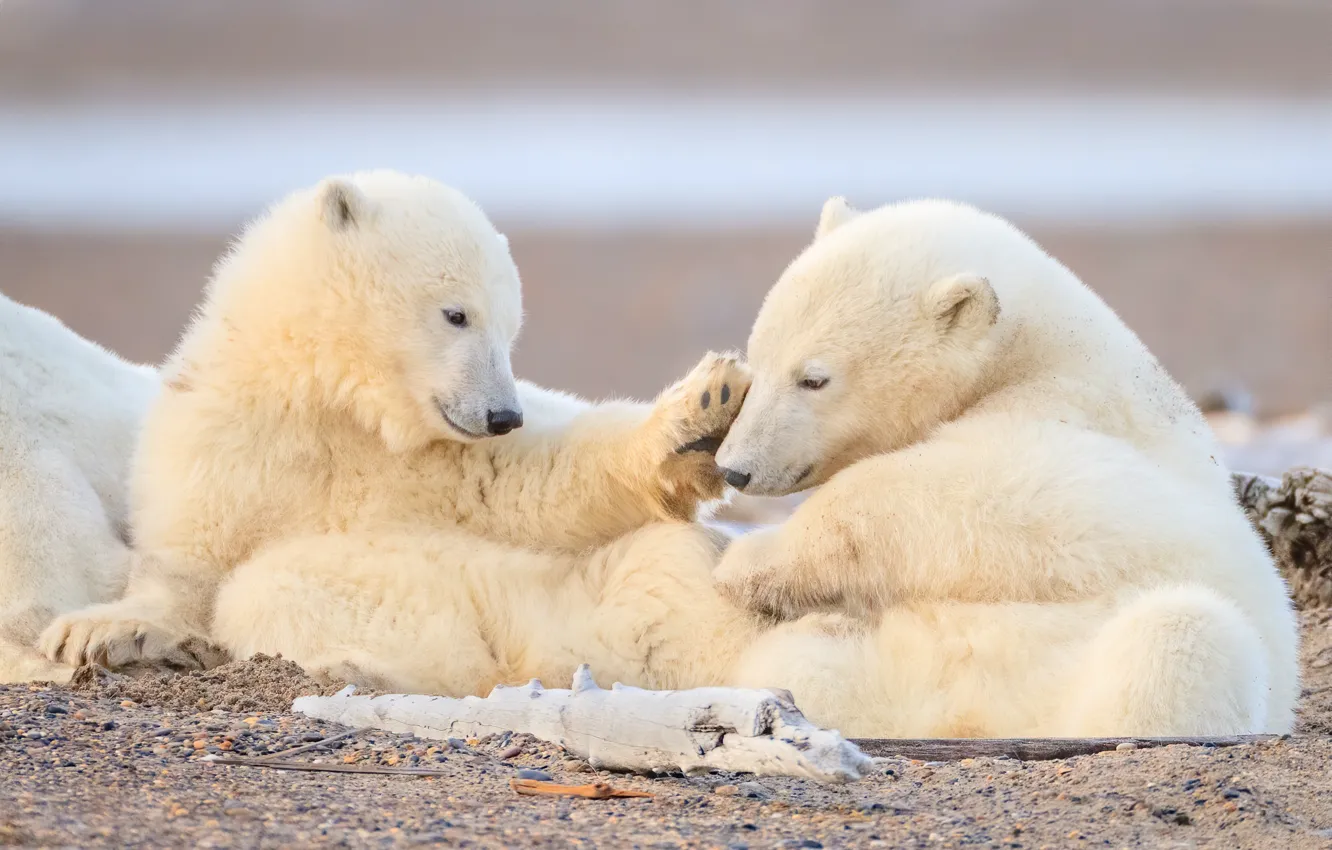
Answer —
701 408
691 420
102 634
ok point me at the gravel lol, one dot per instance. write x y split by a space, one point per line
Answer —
125 762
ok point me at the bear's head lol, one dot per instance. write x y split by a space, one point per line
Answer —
882 328
387 295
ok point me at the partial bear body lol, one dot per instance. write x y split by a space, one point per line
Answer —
69 418
995 446
348 378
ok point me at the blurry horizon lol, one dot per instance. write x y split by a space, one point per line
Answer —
656 165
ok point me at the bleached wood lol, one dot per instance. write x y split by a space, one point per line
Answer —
623 728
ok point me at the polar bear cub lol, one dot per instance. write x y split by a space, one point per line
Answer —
345 386
69 416
1012 486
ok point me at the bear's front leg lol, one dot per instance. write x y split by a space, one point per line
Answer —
817 560
160 621
759 573
686 427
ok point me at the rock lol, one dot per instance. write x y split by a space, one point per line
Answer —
457 743
511 752
311 737
727 790
576 766
535 775
754 791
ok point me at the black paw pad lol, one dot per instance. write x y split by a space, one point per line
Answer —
725 393
702 444
707 399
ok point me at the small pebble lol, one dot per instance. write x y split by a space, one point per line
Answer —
1126 745
311 737
511 752
576 766
537 775
457 743
754 791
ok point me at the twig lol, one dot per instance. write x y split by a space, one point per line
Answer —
305 748
1031 749
592 791
242 761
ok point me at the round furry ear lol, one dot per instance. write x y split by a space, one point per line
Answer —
342 206
836 212
962 301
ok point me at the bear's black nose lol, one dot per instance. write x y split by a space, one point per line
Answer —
500 422
738 480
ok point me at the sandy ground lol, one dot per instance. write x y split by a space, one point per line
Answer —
625 313
122 763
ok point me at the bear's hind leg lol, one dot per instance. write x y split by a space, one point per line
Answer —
1178 661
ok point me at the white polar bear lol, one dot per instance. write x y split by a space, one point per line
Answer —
1113 615
344 403
69 416
1015 488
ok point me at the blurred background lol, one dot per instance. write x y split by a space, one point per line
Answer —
656 164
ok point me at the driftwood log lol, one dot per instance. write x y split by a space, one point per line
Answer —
623 728
1294 516
1031 749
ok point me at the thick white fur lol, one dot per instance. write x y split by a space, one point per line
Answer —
318 414
451 613
69 415
1012 488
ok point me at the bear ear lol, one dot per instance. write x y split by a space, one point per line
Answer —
836 212
341 205
962 301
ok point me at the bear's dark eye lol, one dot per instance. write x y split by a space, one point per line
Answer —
813 383
457 318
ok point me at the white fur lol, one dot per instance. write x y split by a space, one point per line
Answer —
1020 500
1013 488
69 415
319 420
